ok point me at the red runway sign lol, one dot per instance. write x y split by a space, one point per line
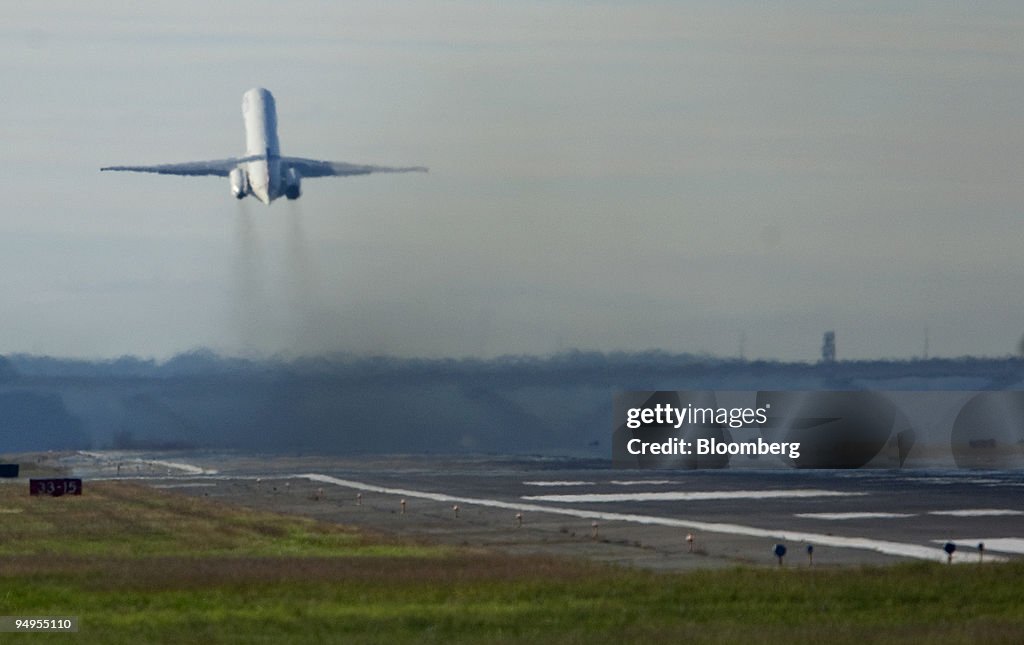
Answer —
55 487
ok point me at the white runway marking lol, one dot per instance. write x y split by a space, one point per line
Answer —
978 512
114 459
852 516
189 485
558 483
684 496
881 546
1003 545
643 482
174 465
983 481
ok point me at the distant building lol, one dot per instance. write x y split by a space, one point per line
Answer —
828 348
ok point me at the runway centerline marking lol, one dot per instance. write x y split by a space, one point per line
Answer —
853 516
977 512
688 496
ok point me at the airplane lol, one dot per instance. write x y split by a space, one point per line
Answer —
263 172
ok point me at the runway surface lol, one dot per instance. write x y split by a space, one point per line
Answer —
636 518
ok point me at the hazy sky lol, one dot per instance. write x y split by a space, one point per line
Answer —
603 176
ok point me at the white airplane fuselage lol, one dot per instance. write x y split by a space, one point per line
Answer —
263 172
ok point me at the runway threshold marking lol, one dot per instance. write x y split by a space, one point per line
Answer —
886 547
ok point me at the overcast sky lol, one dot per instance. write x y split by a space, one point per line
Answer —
603 176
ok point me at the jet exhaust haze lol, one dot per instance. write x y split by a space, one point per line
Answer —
249 297
301 282
276 298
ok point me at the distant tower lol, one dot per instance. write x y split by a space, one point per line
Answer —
828 348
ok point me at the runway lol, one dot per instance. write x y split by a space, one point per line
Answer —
630 517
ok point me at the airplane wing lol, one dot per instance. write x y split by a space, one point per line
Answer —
218 168
314 168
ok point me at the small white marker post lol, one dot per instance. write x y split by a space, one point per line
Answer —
403 506
593 530
981 552
319 494
519 520
689 542
359 499
455 509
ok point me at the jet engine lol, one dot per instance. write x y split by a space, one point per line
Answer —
834 429
292 184
239 183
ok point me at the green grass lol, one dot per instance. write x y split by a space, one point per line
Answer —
121 519
140 565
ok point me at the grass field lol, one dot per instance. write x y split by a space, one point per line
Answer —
138 565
